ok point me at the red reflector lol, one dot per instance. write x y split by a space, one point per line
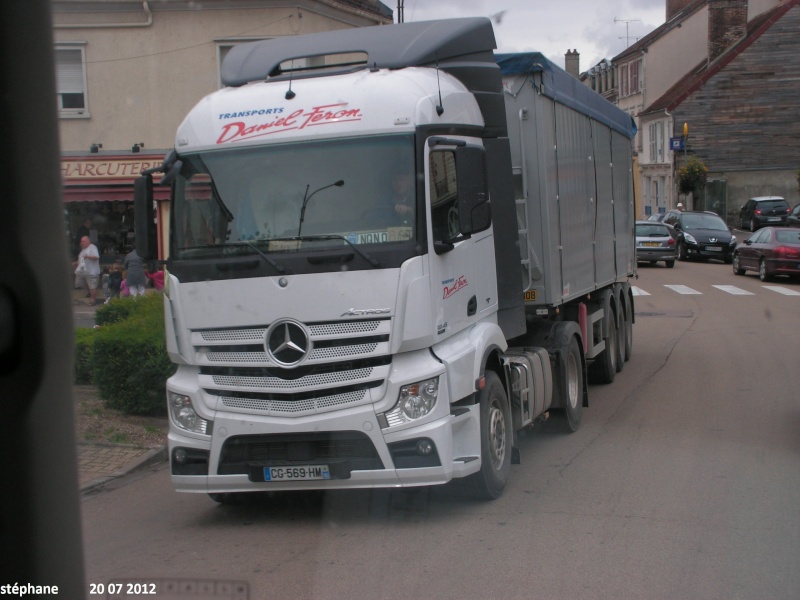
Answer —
481 383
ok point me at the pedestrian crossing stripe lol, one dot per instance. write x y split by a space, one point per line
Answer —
782 290
683 289
729 289
732 289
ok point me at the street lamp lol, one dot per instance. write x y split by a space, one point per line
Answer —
307 197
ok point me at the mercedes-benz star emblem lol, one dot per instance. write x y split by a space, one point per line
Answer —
287 343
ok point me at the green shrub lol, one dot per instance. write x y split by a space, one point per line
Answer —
130 364
84 340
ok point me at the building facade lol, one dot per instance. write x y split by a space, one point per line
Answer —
128 71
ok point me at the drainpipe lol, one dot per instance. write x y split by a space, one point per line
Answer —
146 23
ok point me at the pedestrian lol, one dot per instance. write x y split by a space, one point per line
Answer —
680 206
134 276
157 278
114 280
87 269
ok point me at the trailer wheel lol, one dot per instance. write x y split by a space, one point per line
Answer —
628 328
496 440
620 338
572 387
604 368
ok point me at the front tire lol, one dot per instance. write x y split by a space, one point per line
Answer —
669 263
496 440
571 382
682 253
753 225
737 268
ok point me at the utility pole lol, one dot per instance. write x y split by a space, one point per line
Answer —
627 23
400 11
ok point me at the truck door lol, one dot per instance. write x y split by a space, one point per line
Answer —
455 288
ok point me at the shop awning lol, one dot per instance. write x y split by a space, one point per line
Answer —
107 193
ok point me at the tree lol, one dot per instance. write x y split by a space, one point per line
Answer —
692 175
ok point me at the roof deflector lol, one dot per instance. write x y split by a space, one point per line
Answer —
422 43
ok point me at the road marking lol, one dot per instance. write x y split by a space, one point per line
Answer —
682 289
637 291
732 289
781 290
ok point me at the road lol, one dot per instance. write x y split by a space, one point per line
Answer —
683 482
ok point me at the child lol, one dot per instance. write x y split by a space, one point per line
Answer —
114 281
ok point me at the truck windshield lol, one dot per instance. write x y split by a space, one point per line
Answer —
289 197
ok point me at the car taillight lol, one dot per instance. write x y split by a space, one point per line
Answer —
671 242
757 211
787 252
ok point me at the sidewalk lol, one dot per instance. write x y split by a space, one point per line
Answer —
99 463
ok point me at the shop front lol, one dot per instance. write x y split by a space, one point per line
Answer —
98 202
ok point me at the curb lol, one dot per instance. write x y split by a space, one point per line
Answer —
154 455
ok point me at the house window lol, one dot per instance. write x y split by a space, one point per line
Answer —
634 75
71 81
624 81
656 132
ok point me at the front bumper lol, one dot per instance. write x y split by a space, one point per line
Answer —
380 462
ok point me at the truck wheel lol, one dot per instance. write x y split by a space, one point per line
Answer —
628 327
604 367
496 439
620 340
572 387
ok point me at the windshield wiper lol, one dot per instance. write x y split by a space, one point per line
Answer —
332 236
278 267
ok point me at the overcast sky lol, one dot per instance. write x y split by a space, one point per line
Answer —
552 26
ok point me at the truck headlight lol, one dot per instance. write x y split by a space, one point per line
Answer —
414 402
183 414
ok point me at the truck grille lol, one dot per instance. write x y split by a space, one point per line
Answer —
345 360
355 449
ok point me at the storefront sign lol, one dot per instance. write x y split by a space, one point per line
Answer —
105 169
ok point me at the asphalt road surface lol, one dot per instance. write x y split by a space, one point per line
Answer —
682 482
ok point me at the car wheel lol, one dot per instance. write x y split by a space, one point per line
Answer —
762 271
752 224
682 254
737 269
669 263
496 436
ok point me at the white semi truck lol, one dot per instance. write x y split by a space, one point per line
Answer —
390 250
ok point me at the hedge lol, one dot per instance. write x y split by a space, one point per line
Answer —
84 340
128 357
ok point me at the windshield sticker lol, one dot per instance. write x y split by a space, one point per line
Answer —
451 286
328 114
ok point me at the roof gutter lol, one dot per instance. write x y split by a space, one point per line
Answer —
146 23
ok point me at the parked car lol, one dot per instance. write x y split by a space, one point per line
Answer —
770 251
793 218
701 235
655 242
657 217
763 210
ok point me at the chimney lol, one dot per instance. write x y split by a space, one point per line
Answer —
676 6
727 24
572 63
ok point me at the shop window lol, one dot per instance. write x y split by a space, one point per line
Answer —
71 95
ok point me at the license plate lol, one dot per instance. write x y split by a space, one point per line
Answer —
530 296
714 248
650 244
773 219
297 473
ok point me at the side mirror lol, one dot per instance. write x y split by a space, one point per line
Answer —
143 218
474 209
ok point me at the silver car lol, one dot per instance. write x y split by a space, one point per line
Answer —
655 242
